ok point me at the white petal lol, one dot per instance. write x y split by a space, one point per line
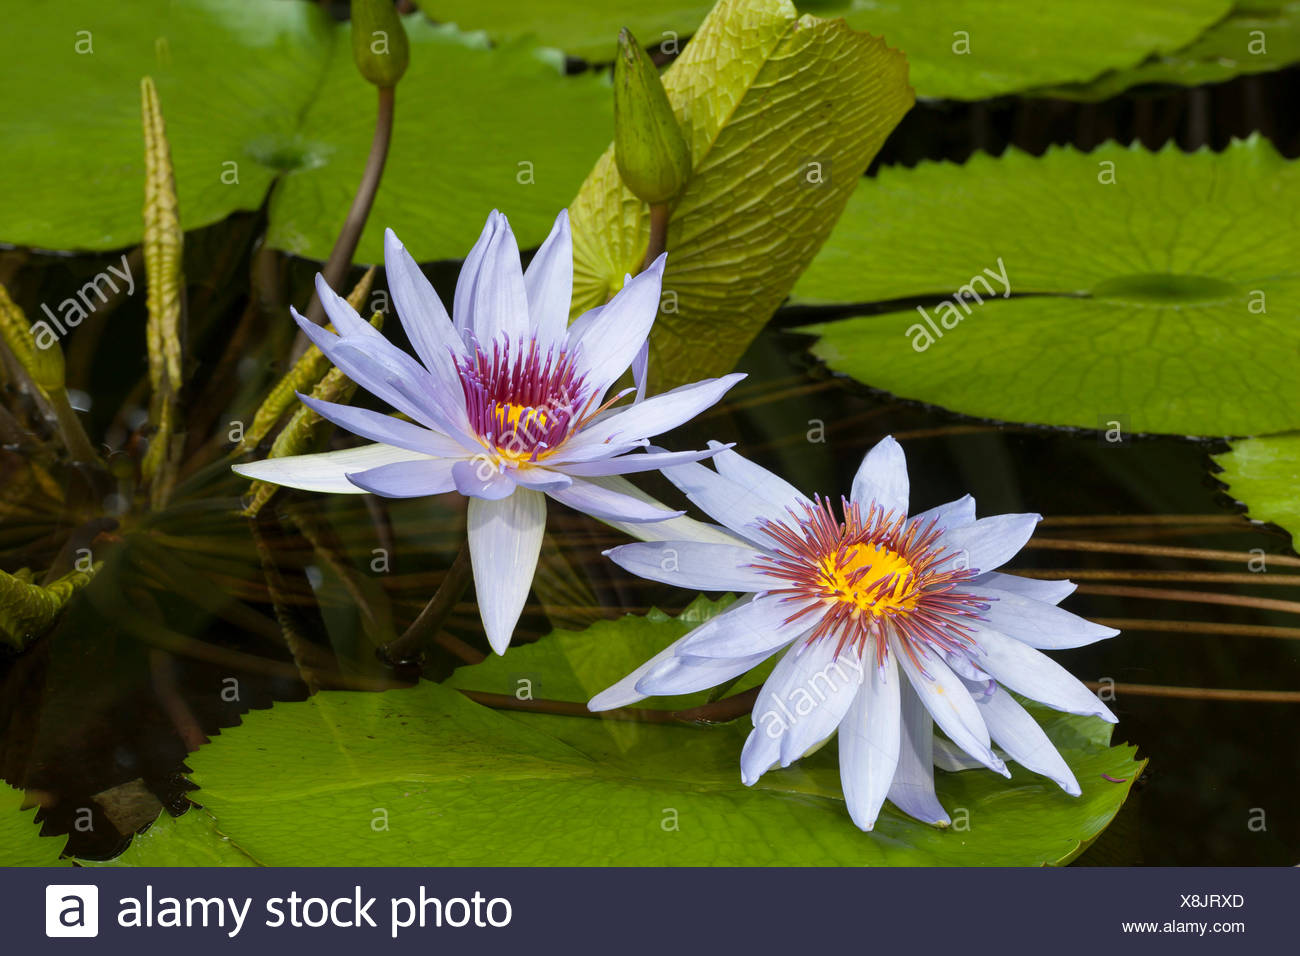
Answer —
610 341
1037 623
326 471
499 303
989 543
1034 675
670 529
761 626
834 683
807 679
912 790
421 312
548 281
624 692
1051 592
882 478
949 703
1024 741
760 754
870 736
688 564
462 309
592 497
686 675
657 414
738 508
953 514
757 480
505 537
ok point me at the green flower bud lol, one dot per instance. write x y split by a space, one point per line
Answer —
649 147
379 43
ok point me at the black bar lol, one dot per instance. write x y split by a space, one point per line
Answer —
669 911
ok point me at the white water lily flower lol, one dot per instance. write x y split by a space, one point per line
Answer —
891 624
508 404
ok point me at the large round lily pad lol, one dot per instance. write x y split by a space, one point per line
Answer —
1159 291
259 92
426 776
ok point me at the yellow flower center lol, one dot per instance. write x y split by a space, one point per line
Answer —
854 577
515 423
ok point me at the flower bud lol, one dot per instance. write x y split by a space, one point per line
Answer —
649 147
379 43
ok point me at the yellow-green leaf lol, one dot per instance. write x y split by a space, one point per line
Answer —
782 114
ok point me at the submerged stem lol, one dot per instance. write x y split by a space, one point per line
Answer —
659 215
426 628
1203 693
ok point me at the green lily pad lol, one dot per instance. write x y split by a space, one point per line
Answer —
1257 37
756 91
1012 45
1157 290
425 776
192 839
476 128
1264 475
21 843
259 91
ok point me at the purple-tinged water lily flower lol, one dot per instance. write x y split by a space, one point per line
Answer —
891 624
508 404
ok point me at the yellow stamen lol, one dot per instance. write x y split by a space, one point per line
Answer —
880 563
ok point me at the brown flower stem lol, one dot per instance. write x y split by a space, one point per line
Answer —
1202 693
426 629
659 216
345 246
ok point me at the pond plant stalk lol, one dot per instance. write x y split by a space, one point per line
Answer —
426 629
381 52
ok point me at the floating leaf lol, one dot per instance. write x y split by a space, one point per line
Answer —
1256 37
958 49
1156 290
26 608
545 789
1264 475
260 90
21 843
192 839
783 114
